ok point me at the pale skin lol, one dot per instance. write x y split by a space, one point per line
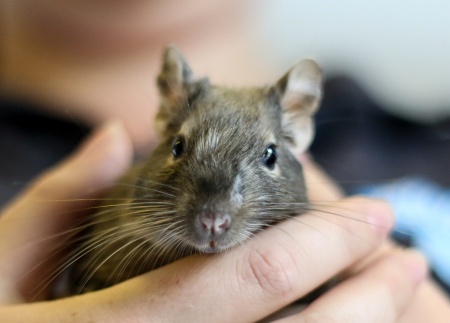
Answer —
242 285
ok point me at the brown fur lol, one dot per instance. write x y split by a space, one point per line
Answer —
151 217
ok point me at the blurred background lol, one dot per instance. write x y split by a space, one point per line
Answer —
398 50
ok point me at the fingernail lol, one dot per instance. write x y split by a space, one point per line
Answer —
380 217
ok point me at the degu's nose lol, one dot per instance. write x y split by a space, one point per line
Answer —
214 223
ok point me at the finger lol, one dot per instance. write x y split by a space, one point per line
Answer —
268 272
321 188
381 293
430 304
245 284
43 210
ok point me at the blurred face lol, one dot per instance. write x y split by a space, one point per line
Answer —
113 23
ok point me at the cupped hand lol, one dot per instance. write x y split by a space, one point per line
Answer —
31 227
245 284
428 302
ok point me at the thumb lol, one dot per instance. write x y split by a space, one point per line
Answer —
321 187
31 228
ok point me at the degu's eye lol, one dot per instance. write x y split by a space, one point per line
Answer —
178 147
270 157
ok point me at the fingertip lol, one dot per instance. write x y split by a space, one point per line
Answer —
415 264
119 142
380 214
102 158
111 132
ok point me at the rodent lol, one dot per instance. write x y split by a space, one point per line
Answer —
225 169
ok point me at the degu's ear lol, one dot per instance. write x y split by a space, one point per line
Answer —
177 86
300 92
175 73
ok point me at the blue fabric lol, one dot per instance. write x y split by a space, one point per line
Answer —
422 211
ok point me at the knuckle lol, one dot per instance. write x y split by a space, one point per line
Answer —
272 269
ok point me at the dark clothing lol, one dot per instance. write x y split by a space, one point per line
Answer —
358 142
31 142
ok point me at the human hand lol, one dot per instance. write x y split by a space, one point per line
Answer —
428 304
34 227
247 283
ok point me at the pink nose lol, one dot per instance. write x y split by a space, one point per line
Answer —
215 223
